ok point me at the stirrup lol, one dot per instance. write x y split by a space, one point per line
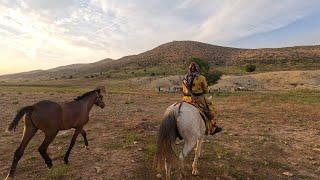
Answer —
217 130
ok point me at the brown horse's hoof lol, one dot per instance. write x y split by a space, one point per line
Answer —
9 177
66 161
49 164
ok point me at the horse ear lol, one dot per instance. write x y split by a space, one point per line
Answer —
102 89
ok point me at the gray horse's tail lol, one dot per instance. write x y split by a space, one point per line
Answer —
20 114
167 135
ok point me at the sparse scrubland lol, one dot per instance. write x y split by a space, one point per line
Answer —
271 128
270 134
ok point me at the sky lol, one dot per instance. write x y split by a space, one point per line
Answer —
42 34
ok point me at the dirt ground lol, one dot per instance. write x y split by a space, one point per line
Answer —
278 80
267 135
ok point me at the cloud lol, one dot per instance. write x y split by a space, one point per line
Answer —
61 32
238 19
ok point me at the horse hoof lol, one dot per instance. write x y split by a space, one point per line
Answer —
66 161
181 177
9 177
195 172
87 147
49 166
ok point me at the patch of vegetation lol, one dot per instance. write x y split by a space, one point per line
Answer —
214 77
131 137
250 67
150 150
232 171
58 172
113 144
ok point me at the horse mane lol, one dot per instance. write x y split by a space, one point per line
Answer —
85 95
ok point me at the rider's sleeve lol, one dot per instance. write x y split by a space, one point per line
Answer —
204 85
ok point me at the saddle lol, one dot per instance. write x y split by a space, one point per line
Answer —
205 114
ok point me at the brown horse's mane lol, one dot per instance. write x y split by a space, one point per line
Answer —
85 95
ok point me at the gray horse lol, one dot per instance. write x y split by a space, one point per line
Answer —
181 120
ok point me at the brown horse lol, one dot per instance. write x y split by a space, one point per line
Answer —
50 117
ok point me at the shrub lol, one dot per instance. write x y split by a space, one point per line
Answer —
152 74
250 67
214 76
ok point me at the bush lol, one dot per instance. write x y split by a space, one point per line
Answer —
250 68
214 76
152 74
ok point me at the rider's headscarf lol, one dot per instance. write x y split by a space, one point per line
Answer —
194 71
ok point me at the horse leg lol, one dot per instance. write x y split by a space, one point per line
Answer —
167 166
197 150
73 141
201 151
186 149
49 137
28 132
84 135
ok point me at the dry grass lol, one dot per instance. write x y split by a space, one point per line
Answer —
265 134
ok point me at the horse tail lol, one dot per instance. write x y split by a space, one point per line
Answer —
168 133
20 114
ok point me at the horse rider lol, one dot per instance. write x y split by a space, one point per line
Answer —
195 90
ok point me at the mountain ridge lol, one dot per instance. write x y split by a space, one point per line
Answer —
177 53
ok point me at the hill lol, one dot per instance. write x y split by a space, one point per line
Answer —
171 58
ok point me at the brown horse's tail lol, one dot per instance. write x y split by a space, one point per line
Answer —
167 135
20 114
